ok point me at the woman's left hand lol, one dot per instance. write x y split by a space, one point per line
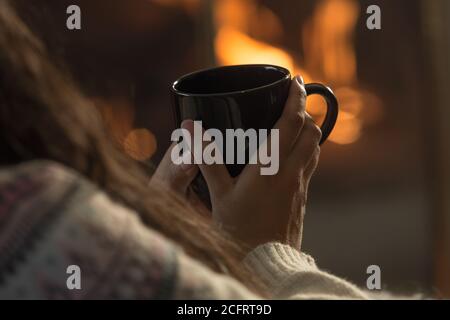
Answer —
177 178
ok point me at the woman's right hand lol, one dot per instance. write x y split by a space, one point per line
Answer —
257 209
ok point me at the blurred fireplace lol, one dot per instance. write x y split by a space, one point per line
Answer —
369 202
317 42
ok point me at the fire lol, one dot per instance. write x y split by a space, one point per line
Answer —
235 47
328 41
329 53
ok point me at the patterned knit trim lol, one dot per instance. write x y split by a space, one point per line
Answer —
33 202
167 287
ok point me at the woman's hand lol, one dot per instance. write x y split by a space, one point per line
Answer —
257 209
178 178
253 208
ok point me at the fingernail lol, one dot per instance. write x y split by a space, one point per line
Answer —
185 124
300 80
186 166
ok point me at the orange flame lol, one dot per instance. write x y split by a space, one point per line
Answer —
328 41
329 54
235 47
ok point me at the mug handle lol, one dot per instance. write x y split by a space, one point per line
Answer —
332 107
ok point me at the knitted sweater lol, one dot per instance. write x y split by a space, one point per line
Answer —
51 218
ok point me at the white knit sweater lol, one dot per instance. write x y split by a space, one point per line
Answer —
294 275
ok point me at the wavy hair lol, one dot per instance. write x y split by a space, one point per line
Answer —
43 115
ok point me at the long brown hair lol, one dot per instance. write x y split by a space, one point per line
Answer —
44 116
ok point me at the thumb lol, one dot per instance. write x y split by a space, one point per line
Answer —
216 175
175 177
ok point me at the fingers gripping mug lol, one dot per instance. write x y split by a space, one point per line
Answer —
240 97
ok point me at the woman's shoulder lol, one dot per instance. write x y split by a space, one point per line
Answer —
32 168
44 187
54 222
35 186
38 181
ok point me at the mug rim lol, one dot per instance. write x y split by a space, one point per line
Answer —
221 94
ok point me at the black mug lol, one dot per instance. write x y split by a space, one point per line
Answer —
240 97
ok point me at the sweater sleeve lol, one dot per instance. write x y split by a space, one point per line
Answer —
53 219
62 238
290 274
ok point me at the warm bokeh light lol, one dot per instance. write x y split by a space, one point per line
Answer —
235 47
316 106
352 100
328 41
246 16
329 56
235 20
140 144
234 14
347 130
117 114
329 53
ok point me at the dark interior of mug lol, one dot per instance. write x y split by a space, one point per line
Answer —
230 79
